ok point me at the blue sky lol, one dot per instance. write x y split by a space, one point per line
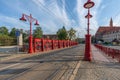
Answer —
53 14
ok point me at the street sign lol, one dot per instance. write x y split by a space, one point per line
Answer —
17 33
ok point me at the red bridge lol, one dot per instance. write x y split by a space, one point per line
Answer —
40 45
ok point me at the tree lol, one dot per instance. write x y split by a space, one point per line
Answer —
26 36
62 33
4 30
7 40
37 33
71 34
12 32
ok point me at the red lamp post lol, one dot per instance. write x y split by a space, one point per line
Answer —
30 19
89 4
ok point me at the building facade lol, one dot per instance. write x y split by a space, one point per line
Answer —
111 36
108 33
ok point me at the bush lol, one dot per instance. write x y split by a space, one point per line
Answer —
6 40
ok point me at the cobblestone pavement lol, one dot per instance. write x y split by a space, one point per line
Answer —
56 65
98 71
101 68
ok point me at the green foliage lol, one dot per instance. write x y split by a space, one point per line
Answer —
62 33
71 34
4 30
6 40
12 32
25 37
37 33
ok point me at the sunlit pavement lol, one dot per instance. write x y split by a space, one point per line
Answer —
101 68
65 64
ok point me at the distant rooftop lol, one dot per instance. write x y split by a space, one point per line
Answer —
105 29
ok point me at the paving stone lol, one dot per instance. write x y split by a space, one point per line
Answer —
101 68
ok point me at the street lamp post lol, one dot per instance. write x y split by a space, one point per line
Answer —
30 20
89 4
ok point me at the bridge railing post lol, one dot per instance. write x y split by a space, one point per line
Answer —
42 44
34 44
53 44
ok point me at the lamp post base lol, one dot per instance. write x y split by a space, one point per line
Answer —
30 45
87 56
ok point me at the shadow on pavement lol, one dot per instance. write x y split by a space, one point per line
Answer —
12 71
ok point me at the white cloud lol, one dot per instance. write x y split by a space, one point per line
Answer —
53 16
15 22
82 12
42 1
57 15
116 20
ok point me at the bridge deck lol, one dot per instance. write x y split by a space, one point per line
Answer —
65 64
101 68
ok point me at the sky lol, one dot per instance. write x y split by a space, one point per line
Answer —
54 14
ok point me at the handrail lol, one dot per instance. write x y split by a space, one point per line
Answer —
114 53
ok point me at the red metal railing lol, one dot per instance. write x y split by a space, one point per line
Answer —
114 53
41 45
38 45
